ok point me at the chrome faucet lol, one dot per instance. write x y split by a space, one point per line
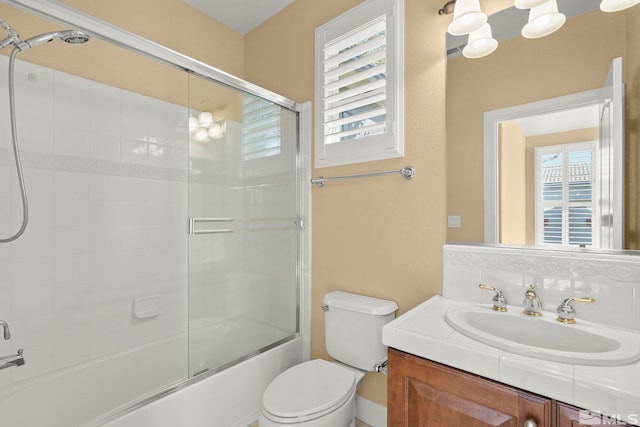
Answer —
566 312
532 303
13 360
5 327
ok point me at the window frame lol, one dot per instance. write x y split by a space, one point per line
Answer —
540 204
386 145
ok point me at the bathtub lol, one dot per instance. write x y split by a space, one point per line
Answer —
230 398
114 391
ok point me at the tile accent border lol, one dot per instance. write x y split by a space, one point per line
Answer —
619 266
56 162
612 278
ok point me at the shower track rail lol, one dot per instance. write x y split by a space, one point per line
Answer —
113 34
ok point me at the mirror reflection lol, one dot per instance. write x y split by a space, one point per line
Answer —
530 204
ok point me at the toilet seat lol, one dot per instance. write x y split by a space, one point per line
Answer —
308 391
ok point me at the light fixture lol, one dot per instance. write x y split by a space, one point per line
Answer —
543 20
205 119
481 43
448 7
617 5
467 17
201 135
204 127
218 129
527 4
193 124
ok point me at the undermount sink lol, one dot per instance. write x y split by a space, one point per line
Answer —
544 338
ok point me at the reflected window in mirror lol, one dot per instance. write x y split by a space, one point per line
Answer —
565 181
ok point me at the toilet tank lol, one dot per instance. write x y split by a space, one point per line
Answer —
353 328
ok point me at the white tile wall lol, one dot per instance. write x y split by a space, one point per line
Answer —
612 279
106 176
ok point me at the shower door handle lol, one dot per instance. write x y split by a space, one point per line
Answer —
193 231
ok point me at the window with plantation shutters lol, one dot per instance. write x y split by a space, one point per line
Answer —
359 89
261 128
565 186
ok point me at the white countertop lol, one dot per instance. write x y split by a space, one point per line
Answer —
423 332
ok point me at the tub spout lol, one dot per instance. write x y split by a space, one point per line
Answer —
5 327
13 360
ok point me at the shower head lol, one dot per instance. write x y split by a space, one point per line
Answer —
74 37
69 36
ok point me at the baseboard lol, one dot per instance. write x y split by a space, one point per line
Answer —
370 412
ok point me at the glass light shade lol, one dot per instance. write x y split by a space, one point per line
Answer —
528 4
481 43
543 20
201 135
193 124
205 119
216 131
467 17
617 5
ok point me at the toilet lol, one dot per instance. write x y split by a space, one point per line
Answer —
321 393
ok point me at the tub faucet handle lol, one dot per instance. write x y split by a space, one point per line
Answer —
566 312
499 301
5 327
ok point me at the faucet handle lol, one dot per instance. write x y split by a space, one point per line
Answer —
499 301
566 312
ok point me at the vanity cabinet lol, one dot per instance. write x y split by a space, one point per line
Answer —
428 394
569 416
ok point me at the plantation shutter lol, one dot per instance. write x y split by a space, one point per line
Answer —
565 187
261 128
359 86
354 102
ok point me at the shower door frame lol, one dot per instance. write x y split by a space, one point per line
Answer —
115 35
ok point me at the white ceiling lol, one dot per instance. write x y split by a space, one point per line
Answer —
561 121
241 15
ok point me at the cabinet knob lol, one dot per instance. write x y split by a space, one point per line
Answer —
530 423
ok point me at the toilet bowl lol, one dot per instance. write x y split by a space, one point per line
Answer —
318 393
312 394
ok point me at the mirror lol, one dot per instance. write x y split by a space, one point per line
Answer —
574 60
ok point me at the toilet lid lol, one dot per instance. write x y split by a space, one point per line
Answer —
309 390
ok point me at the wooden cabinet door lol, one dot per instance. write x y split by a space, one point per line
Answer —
427 394
570 416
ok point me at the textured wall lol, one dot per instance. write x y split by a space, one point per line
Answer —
380 236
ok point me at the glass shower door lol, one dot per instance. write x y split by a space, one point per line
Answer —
243 243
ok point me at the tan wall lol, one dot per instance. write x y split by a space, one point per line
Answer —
381 236
519 71
513 208
175 25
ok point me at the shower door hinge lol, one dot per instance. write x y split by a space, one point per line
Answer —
299 222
